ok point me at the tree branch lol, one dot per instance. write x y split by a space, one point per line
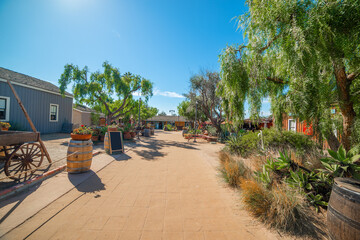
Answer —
276 80
269 43
352 76
124 101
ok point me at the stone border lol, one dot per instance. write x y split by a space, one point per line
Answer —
25 185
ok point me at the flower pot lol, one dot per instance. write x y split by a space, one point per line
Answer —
127 135
102 138
112 129
94 138
82 137
4 129
133 134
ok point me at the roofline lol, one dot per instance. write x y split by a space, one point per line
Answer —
32 87
87 111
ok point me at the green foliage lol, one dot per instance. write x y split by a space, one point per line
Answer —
202 96
342 163
211 130
187 110
162 114
95 118
295 53
169 127
109 91
103 130
249 143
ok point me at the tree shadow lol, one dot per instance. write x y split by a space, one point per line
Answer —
91 184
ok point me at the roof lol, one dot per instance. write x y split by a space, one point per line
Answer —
26 80
168 119
83 108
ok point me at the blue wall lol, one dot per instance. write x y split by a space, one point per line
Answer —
37 104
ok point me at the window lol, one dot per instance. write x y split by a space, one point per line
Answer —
4 108
292 125
54 112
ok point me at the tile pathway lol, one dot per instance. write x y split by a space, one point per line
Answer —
167 189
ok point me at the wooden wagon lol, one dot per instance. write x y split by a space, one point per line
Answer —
21 153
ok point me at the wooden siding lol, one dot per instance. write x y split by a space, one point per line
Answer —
37 104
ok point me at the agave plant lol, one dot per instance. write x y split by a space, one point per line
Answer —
342 163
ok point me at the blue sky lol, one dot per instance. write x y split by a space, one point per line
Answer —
165 41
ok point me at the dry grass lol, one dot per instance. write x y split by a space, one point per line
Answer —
256 198
282 208
232 170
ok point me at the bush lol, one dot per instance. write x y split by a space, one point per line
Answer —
274 140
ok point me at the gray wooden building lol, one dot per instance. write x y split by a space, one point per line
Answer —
48 110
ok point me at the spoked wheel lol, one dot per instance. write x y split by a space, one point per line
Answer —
28 156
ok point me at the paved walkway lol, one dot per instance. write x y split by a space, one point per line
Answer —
166 189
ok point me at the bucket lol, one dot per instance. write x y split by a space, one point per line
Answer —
80 161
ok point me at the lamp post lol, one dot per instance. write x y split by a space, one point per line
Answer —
139 119
195 120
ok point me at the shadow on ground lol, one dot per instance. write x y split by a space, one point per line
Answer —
151 148
92 184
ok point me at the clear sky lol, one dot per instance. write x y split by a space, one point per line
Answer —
165 41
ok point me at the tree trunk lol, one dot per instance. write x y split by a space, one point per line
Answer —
333 142
345 103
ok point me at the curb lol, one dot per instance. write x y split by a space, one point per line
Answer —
25 185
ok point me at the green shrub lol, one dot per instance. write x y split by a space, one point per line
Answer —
274 140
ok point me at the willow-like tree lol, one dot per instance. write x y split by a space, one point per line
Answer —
187 110
203 92
109 91
305 55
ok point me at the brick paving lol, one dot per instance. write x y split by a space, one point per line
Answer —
167 189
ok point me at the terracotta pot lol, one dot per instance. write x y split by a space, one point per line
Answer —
112 129
4 129
133 134
83 137
94 138
127 135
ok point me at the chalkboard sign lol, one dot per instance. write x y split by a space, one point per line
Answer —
116 142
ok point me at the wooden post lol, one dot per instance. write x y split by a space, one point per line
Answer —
29 120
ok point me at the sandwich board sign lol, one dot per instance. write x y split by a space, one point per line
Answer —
116 142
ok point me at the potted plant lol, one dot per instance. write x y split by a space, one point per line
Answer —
95 135
112 128
103 130
82 133
5 126
127 129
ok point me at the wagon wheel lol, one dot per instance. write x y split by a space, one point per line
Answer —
28 156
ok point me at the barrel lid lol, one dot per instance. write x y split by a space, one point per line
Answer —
348 183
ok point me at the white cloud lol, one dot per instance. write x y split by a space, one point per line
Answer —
157 92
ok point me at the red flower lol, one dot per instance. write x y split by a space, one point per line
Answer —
106 124
82 125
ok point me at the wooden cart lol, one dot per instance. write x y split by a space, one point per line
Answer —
21 153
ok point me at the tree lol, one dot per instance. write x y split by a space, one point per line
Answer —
303 54
162 114
108 91
187 110
203 92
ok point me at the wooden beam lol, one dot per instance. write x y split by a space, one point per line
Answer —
29 120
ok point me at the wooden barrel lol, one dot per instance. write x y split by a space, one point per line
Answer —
146 132
107 143
343 215
80 161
